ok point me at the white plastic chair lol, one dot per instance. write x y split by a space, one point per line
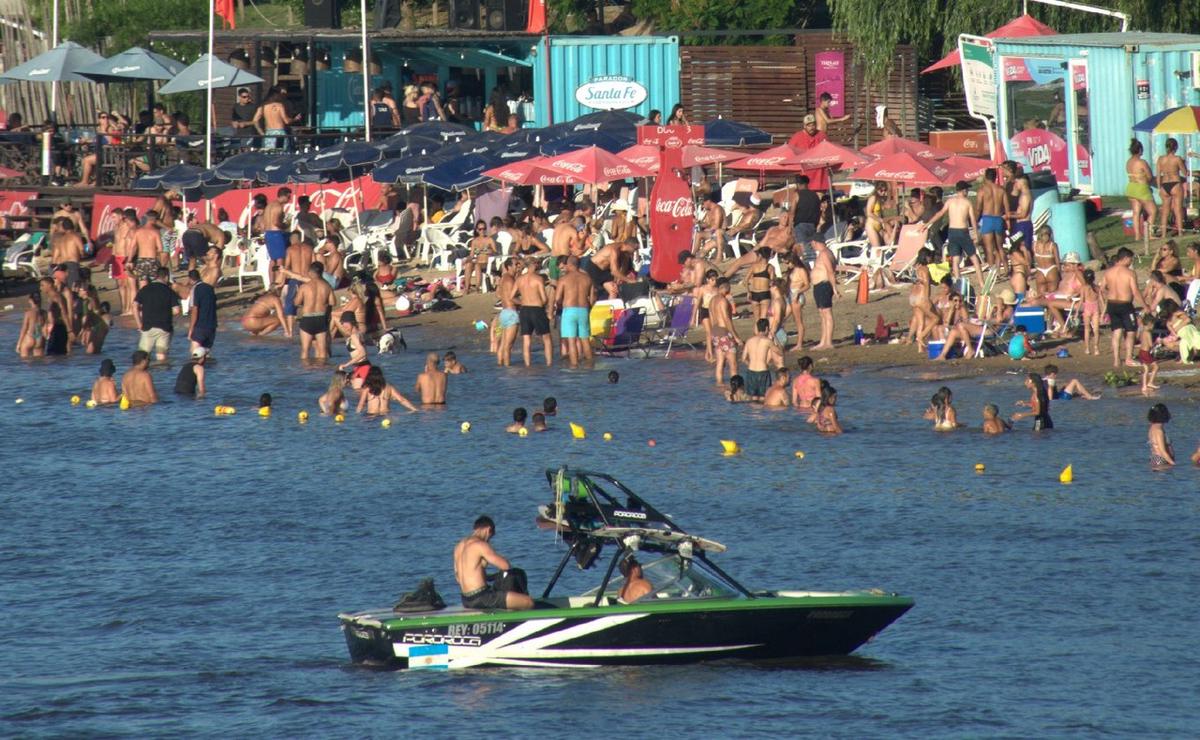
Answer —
447 228
257 266
504 242
22 254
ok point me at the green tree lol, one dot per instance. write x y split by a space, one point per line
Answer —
875 28
720 15
116 25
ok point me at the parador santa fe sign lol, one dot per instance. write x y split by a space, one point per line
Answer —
611 92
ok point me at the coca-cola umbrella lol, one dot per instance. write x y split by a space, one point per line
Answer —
829 156
525 172
907 170
647 156
643 155
967 168
592 166
776 159
899 145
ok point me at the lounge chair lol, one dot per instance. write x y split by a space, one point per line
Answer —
22 253
626 334
681 323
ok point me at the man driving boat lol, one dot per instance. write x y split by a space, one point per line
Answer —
636 585
471 555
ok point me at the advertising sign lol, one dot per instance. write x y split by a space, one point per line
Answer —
672 219
14 202
979 75
1143 89
831 78
1039 149
611 92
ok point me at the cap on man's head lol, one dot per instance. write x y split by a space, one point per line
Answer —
810 118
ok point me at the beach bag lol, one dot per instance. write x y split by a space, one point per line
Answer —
513 579
424 599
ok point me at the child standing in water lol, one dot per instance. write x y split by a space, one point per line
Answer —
1090 313
992 423
1162 455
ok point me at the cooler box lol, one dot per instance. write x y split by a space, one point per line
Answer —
935 348
1032 318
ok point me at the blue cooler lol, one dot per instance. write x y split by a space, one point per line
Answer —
1033 318
934 348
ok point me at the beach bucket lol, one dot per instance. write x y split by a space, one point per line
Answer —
601 319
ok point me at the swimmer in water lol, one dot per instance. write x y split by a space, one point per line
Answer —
539 422
1072 388
941 411
333 400
1162 454
777 396
550 406
104 390
136 384
806 387
613 376
737 390
518 423
431 383
992 423
451 364
827 418
265 315
378 393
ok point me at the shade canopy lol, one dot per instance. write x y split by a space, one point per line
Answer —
460 173
723 132
407 170
591 166
60 64
908 170
776 159
349 154
588 138
245 166
443 131
1182 120
967 168
1022 27
899 145
828 154
132 65
526 172
194 77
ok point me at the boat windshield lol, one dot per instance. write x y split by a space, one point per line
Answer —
673 577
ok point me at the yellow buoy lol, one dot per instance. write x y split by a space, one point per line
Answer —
264 411
302 416
385 423
731 447
124 403
465 427
91 404
75 400
339 418
1067 475
577 431
522 432
608 436
979 467
229 410
799 454
218 409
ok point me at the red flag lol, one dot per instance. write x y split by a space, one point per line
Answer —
224 8
537 17
672 218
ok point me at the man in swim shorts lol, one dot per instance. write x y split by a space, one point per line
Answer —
576 293
314 302
273 234
822 275
66 248
471 555
1121 291
759 352
991 201
530 291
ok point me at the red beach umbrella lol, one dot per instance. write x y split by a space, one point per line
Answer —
831 155
908 170
525 172
1022 27
897 145
590 166
967 168
776 159
701 155
643 155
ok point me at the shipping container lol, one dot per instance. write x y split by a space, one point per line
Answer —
1069 103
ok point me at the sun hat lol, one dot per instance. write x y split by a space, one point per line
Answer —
1071 258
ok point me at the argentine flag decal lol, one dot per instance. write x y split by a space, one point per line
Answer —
436 657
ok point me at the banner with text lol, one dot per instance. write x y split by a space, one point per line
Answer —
979 75
831 78
672 219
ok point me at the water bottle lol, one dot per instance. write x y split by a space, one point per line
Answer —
858 334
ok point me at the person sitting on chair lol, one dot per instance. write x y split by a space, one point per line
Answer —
471 555
636 585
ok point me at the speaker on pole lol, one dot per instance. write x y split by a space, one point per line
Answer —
322 13
505 15
464 14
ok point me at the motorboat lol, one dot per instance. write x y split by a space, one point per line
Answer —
693 612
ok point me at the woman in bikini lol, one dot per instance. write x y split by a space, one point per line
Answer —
1045 262
941 411
1138 189
30 341
333 400
1018 263
777 311
799 281
377 394
704 294
265 315
1167 262
1066 294
355 346
758 282
923 316
1172 179
384 276
1038 403
826 417
481 248
877 225
1162 454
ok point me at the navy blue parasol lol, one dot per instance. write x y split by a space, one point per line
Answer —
350 154
723 132
441 130
407 170
244 166
610 142
460 172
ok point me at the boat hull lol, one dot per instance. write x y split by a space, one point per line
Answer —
768 628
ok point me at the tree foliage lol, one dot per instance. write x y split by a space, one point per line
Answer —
720 15
116 25
877 27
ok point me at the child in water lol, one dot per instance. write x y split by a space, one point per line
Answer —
737 390
1145 353
1038 403
104 390
992 423
519 417
1073 387
1162 455
827 418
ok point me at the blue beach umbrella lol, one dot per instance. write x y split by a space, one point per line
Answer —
351 154
60 64
440 130
175 176
194 77
407 170
460 172
244 166
609 142
723 132
401 145
132 65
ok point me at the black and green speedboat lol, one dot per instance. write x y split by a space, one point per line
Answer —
695 611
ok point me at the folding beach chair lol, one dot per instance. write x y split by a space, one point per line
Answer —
681 323
626 334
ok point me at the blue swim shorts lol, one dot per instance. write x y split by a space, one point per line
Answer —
575 323
277 242
508 317
991 225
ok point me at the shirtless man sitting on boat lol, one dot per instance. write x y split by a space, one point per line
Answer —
636 585
471 555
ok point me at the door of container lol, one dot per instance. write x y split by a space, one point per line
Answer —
1081 126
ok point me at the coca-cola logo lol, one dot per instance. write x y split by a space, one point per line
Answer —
673 142
970 144
647 161
897 175
681 207
510 175
618 171
575 167
764 161
108 221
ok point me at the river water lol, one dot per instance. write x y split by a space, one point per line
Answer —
166 571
